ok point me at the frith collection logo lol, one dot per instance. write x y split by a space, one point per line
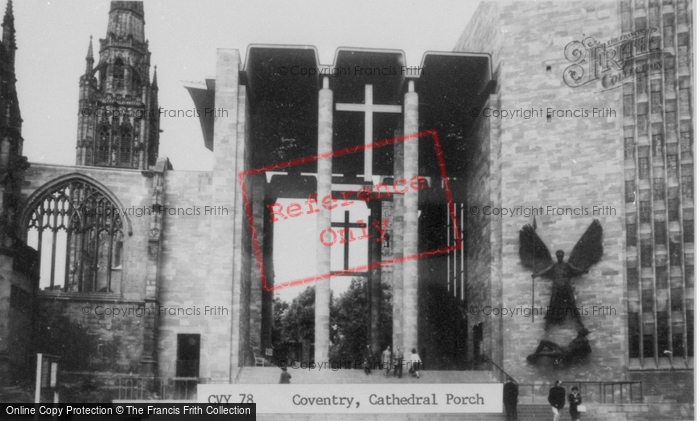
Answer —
613 62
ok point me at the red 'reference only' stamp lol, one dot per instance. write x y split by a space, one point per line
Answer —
400 186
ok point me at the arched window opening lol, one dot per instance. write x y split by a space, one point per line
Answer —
135 80
118 73
125 146
102 147
103 78
78 233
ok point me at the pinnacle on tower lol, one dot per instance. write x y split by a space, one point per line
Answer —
8 28
154 84
89 54
89 59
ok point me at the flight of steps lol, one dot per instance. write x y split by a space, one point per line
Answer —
525 413
540 412
383 417
271 375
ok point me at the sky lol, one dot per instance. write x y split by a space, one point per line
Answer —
53 38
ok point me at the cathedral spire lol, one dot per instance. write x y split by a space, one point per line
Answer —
154 84
8 30
12 163
89 59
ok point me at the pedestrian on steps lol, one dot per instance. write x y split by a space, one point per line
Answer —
386 360
574 402
415 363
398 362
557 399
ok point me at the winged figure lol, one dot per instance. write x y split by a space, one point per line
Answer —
535 255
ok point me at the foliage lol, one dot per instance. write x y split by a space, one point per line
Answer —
349 319
74 343
349 322
298 320
279 308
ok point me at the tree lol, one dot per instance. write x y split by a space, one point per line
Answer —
279 308
350 318
349 322
299 319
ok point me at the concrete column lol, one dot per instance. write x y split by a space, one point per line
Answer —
220 362
323 221
242 258
374 250
397 247
268 236
256 293
410 223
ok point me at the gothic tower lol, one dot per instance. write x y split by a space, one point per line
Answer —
12 163
118 123
17 261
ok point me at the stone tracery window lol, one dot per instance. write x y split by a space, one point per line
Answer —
79 235
125 145
135 80
103 145
119 73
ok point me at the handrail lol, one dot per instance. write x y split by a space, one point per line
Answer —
603 387
594 391
508 376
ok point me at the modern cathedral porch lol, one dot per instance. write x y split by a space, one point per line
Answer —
397 142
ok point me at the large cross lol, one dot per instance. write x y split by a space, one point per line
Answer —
346 236
368 108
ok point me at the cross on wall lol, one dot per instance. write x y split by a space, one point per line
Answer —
369 107
346 225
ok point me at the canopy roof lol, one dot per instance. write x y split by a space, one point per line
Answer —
283 81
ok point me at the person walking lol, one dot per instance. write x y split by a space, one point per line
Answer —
574 402
557 399
415 363
386 360
398 362
510 399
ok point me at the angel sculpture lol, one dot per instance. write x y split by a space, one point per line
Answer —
535 256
